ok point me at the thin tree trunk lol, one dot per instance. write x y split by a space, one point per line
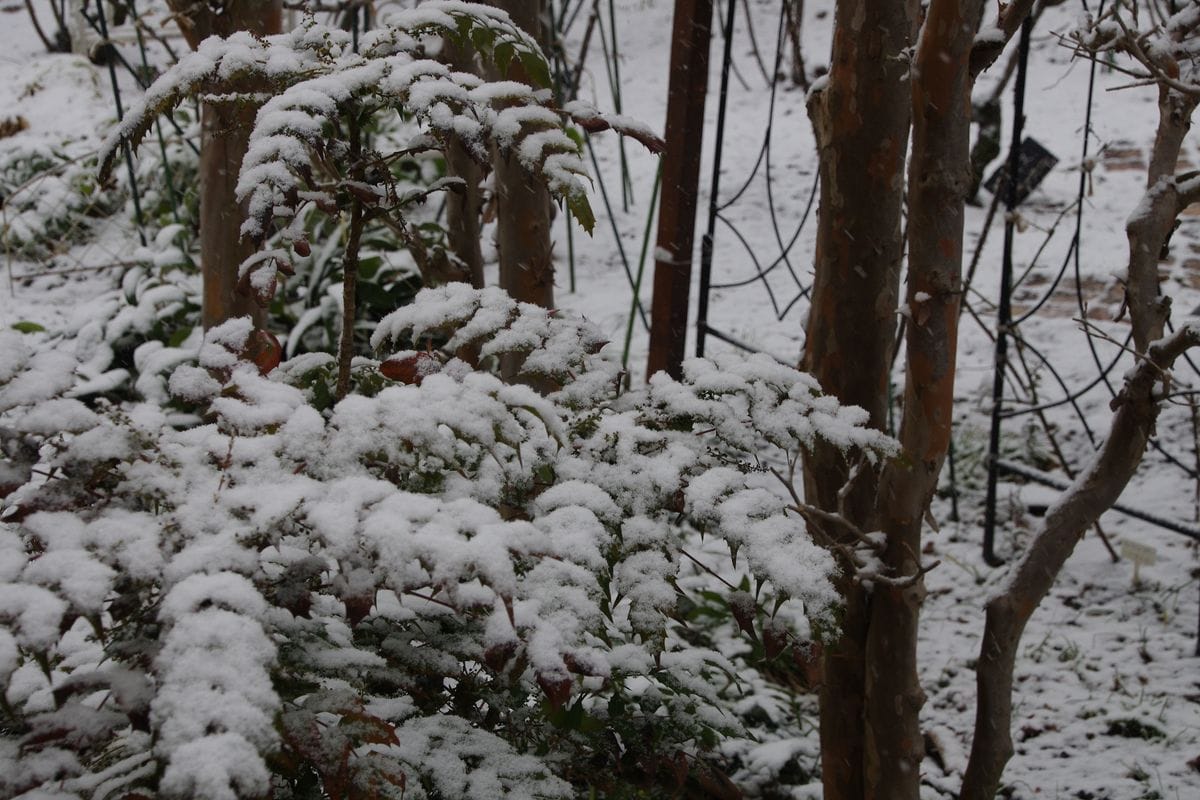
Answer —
861 119
939 179
691 36
350 265
523 208
463 208
1099 485
523 205
1150 227
1095 490
795 25
224 135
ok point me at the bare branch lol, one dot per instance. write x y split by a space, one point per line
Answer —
902 582
1095 489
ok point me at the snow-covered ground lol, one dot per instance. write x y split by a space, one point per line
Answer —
1108 687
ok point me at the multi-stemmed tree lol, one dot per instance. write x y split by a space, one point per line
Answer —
900 79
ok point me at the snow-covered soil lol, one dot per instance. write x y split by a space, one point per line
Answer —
1107 698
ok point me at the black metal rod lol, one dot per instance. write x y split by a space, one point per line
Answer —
126 149
728 339
954 517
1005 312
706 243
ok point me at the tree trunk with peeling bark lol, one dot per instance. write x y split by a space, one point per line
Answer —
224 136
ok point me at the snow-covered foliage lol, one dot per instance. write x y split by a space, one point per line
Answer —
315 81
449 589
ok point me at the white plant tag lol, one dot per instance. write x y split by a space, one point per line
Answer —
1140 554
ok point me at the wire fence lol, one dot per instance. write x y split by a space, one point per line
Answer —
774 270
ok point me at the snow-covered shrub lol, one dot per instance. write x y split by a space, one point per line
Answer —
453 588
307 147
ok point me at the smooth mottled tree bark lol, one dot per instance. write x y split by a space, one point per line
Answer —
1098 486
224 136
1149 228
939 180
861 118
871 739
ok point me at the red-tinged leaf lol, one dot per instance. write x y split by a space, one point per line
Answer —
260 287
580 666
411 369
368 728
498 655
264 350
742 606
809 657
357 607
717 785
302 247
397 779
774 638
591 124
557 688
678 766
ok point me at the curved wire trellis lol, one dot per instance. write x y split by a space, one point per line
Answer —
781 254
1068 395
1063 393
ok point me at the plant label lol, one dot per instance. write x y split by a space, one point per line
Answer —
1140 554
